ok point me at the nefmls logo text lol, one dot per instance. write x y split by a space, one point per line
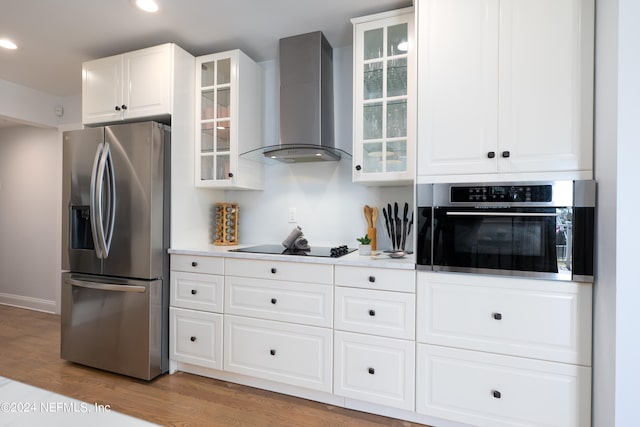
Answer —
76 407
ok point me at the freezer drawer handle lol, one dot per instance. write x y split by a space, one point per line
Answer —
107 286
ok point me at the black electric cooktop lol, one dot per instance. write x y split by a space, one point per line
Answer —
317 251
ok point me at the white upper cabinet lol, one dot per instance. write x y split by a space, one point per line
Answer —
229 107
384 100
506 89
128 86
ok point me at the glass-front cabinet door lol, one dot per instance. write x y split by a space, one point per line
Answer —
214 109
225 105
384 98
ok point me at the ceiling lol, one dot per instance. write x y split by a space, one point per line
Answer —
54 37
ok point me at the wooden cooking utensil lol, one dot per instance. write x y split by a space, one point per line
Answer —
372 232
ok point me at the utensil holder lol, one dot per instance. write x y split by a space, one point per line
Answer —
226 224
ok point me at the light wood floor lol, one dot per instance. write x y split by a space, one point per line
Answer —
29 352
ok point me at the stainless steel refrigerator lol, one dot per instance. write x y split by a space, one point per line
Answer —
115 236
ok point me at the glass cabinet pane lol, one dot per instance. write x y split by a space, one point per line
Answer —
397 156
372 157
223 136
207 74
223 166
372 124
206 168
224 102
373 43
397 77
396 119
207 104
206 137
373 80
223 75
397 40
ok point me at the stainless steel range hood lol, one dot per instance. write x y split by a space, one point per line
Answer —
306 101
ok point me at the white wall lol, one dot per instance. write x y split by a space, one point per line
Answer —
329 206
616 344
30 214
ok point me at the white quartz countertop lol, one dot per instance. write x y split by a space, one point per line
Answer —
377 259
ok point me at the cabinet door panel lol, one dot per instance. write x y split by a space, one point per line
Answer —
545 114
102 90
374 369
390 314
458 91
148 76
196 337
305 303
278 351
487 389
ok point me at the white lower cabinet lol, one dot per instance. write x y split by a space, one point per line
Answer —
375 369
305 303
485 389
541 319
283 352
390 314
196 337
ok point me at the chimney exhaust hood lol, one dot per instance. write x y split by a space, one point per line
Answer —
306 102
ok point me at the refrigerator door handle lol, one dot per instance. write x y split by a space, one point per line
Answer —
97 243
111 200
107 286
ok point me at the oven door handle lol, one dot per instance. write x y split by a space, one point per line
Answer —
504 214
107 286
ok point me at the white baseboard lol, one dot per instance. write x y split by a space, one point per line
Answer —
30 303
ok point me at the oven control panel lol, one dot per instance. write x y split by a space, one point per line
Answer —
502 193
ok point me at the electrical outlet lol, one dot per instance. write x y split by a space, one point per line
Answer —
292 215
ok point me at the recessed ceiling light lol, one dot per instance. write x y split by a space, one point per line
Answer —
147 5
7 44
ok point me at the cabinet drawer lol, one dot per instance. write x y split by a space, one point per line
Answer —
278 351
486 389
197 264
197 291
196 337
280 270
390 314
376 278
374 369
531 318
304 303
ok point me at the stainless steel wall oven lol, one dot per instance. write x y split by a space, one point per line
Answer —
530 229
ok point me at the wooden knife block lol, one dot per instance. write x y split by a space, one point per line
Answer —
372 233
